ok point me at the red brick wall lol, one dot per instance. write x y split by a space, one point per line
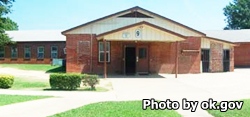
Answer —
33 60
232 59
242 55
161 56
216 58
75 62
189 62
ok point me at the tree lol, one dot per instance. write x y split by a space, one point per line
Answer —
5 22
237 15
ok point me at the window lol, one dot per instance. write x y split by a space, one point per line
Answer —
142 53
54 52
2 52
27 52
40 52
13 52
101 52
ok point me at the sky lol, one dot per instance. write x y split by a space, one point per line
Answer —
65 14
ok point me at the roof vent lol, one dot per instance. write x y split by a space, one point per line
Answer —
135 14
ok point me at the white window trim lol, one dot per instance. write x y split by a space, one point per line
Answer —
3 53
12 52
40 52
25 52
52 52
107 51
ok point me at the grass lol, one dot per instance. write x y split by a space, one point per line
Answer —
28 83
116 109
37 67
10 99
244 112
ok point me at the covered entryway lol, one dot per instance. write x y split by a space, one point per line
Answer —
136 60
136 39
130 60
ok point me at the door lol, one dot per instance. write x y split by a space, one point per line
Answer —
130 60
142 60
226 60
205 58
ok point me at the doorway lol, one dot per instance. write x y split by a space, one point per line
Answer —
205 58
226 60
130 60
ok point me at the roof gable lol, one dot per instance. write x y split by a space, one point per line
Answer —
95 27
142 31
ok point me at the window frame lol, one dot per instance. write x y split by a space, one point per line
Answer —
3 52
25 52
108 47
11 52
43 52
52 52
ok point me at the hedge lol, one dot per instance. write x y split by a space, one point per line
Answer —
65 81
6 81
90 80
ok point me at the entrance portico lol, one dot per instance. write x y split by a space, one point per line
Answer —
136 40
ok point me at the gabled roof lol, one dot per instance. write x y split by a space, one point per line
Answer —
230 35
36 35
133 9
146 23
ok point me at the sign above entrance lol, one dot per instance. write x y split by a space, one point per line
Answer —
138 33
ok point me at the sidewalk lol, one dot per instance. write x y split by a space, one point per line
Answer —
46 107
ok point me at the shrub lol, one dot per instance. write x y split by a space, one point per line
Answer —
6 81
65 81
90 80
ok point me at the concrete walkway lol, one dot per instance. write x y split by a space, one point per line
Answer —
199 87
62 101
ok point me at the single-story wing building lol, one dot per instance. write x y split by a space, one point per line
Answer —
239 37
33 47
138 41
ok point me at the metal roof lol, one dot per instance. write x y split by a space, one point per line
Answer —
36 35
230 35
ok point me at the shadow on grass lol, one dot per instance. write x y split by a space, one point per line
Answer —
98 89
59 69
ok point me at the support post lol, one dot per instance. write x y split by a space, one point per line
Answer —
105 57
176 58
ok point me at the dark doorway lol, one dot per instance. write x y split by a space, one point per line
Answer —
130 60
205 58
226 60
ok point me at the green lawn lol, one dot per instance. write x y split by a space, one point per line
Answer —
116 109
244 112
10 99
29 83
38 67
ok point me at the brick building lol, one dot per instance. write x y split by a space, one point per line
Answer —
242 39
33 47
138 41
